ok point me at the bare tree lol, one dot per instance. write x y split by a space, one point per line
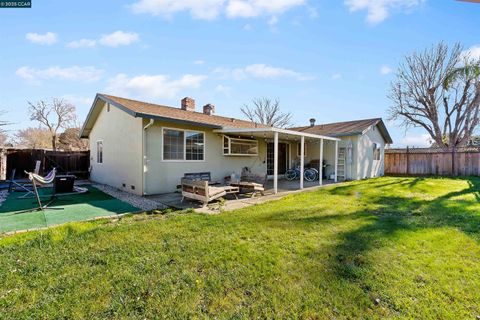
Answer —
34 138
70 140
439 90
55 115
3 138
267 111
3 122
3 133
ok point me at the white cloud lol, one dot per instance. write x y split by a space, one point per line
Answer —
118 38
472 52
211 9
261 71
255 8
336 76
223 89
114 39
153 86
420 140
74 73
78 100
82 43
273 21
204 9
385 70
44 39
198 62
379 10
247 27
312 12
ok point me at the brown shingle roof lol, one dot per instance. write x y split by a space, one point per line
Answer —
150 110
347 128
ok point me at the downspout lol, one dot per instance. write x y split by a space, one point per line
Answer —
144 156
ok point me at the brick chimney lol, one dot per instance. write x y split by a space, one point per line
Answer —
209 109
188 104
312 122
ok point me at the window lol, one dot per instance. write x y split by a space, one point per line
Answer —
173 144
99 151
183 145
376 151
299 147
195 145
239 147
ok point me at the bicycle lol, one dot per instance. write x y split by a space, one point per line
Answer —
309 174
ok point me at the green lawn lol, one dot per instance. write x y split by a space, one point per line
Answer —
382 248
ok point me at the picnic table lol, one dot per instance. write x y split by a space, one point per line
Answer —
249 187
232 190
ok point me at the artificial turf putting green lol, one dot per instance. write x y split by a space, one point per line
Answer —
77 207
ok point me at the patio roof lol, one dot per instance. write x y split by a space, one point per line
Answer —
270 131
280 134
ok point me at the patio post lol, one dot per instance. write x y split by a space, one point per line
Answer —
275 162
320 169
302 159
336 160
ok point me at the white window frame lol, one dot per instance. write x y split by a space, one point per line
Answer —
304 149
379 148
230 154
184 145
97 153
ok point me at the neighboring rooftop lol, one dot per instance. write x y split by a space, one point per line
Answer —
346 128
183 114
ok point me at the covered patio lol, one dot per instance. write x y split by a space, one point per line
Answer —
276 135
276 185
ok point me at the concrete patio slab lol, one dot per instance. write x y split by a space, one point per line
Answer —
285 188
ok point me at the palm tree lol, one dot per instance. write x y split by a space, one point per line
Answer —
469 71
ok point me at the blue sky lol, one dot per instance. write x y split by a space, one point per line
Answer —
331 60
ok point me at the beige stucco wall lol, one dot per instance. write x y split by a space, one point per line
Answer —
122 150
362 165
164 176
367 167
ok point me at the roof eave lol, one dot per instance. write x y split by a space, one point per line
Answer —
385 134
178 121
89 115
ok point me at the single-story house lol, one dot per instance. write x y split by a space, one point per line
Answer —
146 148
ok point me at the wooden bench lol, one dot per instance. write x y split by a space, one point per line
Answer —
198 176
201 191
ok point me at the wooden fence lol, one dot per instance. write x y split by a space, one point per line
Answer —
66 162
431 161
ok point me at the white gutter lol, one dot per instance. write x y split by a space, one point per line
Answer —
145 160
